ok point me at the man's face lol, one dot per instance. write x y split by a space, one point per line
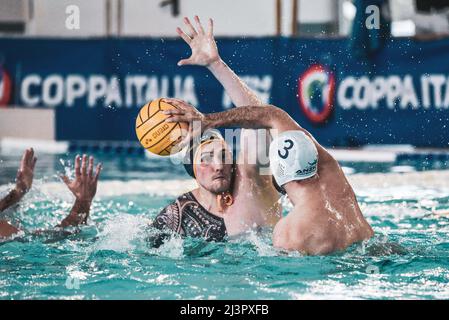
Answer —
213 165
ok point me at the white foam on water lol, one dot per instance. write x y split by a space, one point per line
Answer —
74 272
374 286
259 242
172 248
120 232
379 156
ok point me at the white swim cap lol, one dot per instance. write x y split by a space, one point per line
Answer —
293 156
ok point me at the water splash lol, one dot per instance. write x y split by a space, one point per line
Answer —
122 233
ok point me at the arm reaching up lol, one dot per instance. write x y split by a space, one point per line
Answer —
24 180
205 53
84 188
203 46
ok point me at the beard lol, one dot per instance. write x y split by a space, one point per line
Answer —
218 187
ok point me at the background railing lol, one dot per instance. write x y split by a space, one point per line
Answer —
157 18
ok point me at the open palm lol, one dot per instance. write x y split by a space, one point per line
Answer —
84 186
24 178
203 46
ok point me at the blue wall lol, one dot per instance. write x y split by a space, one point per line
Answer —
410 78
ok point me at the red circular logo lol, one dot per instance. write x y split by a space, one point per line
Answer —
5 87
316 88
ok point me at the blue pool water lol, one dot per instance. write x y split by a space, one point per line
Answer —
110 259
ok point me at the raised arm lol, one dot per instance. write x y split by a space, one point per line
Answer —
84 188
24 180
205 53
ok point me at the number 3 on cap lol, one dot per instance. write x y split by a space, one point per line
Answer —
288 144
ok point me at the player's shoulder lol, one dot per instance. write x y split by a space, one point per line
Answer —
171 215
177 205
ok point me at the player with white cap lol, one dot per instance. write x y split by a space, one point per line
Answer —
326 216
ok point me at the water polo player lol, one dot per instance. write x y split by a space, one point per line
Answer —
326 216
83 187
232 196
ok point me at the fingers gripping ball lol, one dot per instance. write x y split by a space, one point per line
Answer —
156 135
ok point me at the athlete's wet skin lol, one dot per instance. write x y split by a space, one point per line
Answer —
83 187
326 216
221 182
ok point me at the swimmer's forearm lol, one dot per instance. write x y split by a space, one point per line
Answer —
238 91
241 95
7 230
244 117
251 117
78 215
11 199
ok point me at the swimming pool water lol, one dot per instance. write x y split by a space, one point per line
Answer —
110 258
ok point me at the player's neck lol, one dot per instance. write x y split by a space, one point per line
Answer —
207 199
297 190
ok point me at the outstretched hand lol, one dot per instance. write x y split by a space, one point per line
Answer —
202 43
84 186
24 178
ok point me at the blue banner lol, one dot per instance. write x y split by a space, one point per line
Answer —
399 96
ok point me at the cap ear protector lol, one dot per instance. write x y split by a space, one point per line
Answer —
277 187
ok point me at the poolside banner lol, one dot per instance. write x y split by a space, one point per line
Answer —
400 95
